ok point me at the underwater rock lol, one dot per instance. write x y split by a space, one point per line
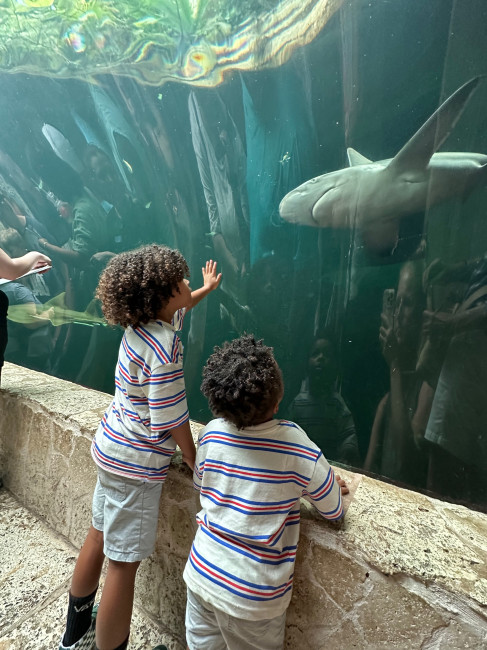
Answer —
154 41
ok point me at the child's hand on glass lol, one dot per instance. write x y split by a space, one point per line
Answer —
211 279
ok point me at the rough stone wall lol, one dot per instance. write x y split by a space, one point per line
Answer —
402 571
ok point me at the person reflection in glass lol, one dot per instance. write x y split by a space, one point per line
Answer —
396 448
15 245
221 159
25 223
92 231
28 330
320 409
128 220
456 430
29 230
11 268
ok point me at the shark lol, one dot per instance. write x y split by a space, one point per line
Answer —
56 312
373 197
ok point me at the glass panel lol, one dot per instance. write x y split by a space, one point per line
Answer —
191 124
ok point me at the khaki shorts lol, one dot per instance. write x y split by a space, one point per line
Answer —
208 628
126 510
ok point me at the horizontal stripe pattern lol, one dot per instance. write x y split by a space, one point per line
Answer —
132 470
245 505
133 438
258 553
250 483
252 474
260 444
235 584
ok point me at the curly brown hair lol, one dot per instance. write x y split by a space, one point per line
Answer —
137 284
242 381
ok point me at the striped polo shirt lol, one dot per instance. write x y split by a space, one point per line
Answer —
134 437
250 482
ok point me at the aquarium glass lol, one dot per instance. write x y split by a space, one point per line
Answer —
330 155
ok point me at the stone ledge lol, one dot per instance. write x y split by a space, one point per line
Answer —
402 571
35 573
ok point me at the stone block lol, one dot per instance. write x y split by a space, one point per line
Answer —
161 590
403 571
61 439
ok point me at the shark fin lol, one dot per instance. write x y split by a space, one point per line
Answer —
355 158
417 152
92 312
58 301
92 308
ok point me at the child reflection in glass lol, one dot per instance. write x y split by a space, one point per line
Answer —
320 409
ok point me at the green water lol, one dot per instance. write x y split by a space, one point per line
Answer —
188 122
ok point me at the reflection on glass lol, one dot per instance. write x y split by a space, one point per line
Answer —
458 411
231 131
396 448
320 409
192 41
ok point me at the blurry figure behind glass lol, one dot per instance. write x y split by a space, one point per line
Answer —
126 217
457 426
92 231
221 158
320 410
27 225
396 445
15 244
30 337
29 230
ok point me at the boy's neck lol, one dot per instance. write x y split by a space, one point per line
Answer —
269 416
166 314
267 419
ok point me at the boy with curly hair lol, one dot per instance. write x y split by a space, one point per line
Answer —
251 471
144 291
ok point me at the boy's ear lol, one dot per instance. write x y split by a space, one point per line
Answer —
276 407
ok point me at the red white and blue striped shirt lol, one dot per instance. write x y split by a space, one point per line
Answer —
134 437
250 482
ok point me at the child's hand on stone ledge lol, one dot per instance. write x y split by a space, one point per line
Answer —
343 486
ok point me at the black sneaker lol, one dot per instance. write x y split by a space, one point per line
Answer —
87 641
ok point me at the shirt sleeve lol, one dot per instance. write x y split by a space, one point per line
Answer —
324 491
199 464
87 228
19 294
166 396
198 469
178 318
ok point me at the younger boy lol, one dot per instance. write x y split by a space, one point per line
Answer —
144 291
251 471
